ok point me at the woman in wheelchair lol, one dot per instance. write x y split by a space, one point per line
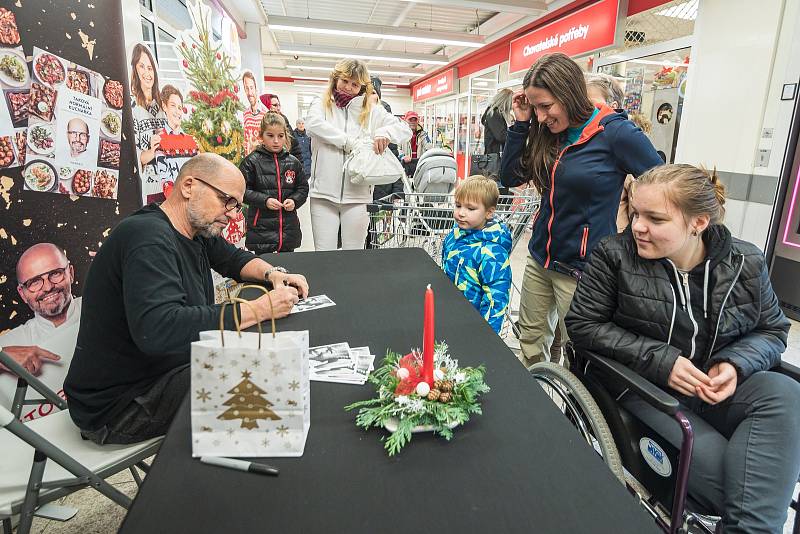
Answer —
681 302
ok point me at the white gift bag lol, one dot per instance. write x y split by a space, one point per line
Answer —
250 393
364 166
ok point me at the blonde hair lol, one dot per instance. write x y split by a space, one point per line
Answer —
640 120
478 188
355 70
272 118
607 85
695 190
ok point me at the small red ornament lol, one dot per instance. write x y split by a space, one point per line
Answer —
219 56
219 139
235 88
183 44
184 109
185 64
194 45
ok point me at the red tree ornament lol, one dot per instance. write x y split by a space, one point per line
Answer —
219 139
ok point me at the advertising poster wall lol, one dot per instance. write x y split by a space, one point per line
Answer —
61 232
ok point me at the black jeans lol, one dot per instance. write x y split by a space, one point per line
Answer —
746 457
148 415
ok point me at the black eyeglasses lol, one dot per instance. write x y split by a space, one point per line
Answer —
231 204
83 136
36 283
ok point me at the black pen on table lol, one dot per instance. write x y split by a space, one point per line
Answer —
241 465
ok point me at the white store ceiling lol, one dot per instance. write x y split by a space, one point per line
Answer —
401 60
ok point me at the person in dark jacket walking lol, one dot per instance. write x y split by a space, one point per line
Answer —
276 186
577 156
304 141
690 308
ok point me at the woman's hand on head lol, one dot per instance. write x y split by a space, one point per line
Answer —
685 377
521 108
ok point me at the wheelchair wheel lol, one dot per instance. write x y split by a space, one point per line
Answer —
577 404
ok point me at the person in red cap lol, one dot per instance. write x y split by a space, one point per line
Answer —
273 103
412 149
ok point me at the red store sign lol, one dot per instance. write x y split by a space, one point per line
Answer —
587 30
439 85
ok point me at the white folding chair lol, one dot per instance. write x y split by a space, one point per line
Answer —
28 480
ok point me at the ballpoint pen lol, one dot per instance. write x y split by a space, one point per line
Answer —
241 465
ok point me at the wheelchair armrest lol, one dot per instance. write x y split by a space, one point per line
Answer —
792 371
649 392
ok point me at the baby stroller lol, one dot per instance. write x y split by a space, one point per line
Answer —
436 173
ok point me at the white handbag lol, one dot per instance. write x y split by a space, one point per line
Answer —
364 167
250 396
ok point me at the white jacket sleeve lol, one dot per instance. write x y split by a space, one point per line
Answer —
319 127
387 125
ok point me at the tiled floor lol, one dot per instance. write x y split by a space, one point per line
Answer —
99 515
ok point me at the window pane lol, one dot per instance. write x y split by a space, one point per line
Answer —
148 36
147 4
175 13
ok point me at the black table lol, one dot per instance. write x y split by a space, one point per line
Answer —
518 467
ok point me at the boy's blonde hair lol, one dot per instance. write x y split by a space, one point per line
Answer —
478 188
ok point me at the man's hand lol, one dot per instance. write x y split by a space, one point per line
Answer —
723 383
283 299
685 377
380 144
273 204
406 159
30 357
297 281
288 204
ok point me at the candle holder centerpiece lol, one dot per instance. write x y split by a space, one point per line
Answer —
421 392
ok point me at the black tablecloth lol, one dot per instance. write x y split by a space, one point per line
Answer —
518 467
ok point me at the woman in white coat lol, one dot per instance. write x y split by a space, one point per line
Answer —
345 112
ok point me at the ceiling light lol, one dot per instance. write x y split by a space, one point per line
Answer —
331 27
310 50
397 72
684 10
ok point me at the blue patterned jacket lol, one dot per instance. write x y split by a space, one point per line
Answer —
478 263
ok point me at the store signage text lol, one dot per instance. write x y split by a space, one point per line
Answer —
439 85
589 29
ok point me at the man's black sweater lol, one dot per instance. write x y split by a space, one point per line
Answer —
147 296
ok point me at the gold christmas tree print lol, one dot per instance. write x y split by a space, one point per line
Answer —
248 403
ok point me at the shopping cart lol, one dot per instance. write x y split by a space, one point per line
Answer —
424 219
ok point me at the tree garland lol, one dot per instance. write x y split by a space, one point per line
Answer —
450 403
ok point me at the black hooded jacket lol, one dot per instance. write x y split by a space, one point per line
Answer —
645 313
280 176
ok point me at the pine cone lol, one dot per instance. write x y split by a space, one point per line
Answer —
445 397
434 395
447 385
438 385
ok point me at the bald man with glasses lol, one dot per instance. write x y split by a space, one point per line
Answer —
149 293
44 344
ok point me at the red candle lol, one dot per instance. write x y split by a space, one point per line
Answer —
427 338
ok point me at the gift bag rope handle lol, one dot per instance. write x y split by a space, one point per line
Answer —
236 321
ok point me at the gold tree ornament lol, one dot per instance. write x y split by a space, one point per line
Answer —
248 403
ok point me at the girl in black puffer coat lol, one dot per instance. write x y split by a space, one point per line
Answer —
275 186
690 308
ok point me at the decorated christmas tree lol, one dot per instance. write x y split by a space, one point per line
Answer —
248 404
208 69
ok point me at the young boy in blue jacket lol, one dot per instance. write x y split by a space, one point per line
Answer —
475 254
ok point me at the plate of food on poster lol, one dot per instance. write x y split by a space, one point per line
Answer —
75 181
111 124
41 139
17 103
9 34
40 176
42 101
49 69
109 154
7 156
105 184
79 81
112 93
13 68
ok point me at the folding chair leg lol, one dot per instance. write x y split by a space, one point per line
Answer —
7 525
19 397
136 476
32 493
143 466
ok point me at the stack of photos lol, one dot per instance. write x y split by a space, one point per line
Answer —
74 129
340 363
